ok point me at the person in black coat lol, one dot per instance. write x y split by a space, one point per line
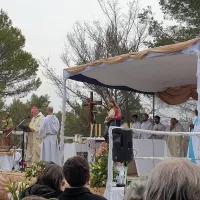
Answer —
49 184
76 172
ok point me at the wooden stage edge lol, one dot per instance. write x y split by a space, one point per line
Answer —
4 179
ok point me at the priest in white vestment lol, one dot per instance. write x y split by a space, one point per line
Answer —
48 131
158 127
175 143
34 140
146 125
136 125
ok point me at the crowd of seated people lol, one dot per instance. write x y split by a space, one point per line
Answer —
174 179
63 183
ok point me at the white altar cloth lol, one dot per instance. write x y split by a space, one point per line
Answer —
92 145
71 149
149 148
117 193
8 161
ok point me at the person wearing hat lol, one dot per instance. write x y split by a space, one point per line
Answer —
7 126
34 140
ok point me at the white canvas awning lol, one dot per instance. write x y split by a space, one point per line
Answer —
149 71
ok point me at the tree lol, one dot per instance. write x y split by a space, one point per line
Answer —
20 110
185 17
41 102
18 68
186 22
188 11
123 32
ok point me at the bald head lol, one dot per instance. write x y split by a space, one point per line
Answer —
35 111
49 110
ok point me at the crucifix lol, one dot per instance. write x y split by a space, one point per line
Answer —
92 114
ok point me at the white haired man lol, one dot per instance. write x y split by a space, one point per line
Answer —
175 179
136 189
34 140
48 131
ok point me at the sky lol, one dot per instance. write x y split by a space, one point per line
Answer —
45 23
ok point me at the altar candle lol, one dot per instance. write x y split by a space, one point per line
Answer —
99 130
91 129
131 124
96 130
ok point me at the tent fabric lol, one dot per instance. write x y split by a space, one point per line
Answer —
136 55
178 95
168 71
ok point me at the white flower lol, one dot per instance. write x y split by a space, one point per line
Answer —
19 186
9 196
17 193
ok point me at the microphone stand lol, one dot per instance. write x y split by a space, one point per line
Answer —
16 126
22 145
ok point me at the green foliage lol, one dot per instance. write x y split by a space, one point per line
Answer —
36 170
17 67
131 105
20 110
39 101
77 121
187 17
187 11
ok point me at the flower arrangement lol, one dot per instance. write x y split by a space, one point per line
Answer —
99 170
35 170
16 189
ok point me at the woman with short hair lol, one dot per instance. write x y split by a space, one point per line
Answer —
50 183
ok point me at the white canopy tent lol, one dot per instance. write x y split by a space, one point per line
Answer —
172 72
151 71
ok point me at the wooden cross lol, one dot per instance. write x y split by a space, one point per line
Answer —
91 103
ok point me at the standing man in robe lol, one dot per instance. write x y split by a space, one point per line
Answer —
34 139
136 125
146 125
175 143
48 131
158 127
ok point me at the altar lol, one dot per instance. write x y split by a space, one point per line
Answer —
9 160
89 148
153 148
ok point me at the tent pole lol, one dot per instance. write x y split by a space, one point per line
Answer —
62 130
153 107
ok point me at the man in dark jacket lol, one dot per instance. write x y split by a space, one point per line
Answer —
76 172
